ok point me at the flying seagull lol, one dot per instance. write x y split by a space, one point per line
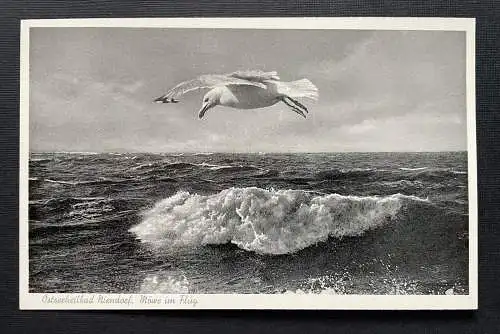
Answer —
245 90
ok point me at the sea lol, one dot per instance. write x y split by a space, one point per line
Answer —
270 223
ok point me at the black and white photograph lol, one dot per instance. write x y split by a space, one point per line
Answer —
273 163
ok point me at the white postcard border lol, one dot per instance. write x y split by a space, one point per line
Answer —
63 301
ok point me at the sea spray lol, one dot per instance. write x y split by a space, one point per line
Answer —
263 221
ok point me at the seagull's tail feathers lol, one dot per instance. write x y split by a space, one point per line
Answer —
300 88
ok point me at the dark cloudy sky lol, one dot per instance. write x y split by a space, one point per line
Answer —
91 89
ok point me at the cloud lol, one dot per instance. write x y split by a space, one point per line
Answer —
364 126
379 90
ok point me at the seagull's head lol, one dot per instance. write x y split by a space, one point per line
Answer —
210 100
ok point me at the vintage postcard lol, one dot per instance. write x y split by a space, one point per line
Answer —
264 163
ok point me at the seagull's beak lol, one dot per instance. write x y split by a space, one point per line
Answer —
204 109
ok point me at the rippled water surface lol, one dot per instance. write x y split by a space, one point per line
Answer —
345 223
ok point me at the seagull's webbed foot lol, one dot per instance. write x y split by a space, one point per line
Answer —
298 104
293 107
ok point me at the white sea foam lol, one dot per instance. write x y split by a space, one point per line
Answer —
324 285
202 153
73 183
213 166
220 167
265 221
90 209
385 286
412 169
165 283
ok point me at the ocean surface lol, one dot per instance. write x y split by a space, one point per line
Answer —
339 223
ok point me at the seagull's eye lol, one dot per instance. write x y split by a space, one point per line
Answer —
206 99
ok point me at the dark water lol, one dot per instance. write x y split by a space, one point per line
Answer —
353 223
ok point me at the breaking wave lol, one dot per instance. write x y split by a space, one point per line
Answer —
263 221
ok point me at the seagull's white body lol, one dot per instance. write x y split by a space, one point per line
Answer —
246 97
245 90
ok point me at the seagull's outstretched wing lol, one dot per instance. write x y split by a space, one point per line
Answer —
204 81
255 76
